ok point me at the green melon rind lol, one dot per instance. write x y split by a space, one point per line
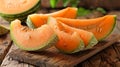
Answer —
22 15
11 19
93 41
29 23
112 28
80 47
3 30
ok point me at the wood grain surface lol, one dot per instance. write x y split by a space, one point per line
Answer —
5 41
8 62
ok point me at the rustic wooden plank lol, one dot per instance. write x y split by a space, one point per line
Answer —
107 58
8 62
5 41
48 56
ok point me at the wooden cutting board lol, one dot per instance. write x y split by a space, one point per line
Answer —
53 58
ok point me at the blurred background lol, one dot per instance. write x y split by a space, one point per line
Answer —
107 4
86 8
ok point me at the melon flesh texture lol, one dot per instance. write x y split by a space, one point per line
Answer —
68 42
36 20
16 6
32 39
100 27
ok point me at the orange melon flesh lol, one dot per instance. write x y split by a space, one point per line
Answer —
39 19
32 39
85 35
68 42
100 27
36 20
16 6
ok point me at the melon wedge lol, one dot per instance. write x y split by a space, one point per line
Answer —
66 41
36 20
19 9
32 39
101 27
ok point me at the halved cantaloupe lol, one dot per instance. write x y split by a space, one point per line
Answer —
13 9
100 27
67 42
32 39
36 20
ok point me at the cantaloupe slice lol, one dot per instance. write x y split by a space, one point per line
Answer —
66 41
36 20
32 39
101 27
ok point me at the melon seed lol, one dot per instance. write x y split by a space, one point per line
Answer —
99 29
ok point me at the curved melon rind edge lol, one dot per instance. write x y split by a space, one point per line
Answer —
29 23
113 26
93 41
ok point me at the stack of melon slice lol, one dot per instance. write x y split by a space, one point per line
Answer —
61 29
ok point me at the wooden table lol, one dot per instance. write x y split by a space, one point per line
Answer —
109 57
